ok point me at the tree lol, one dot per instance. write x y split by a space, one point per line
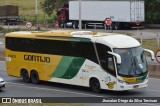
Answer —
152 8
158 1
152 11
50 6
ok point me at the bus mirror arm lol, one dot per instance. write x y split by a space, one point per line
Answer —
118 57
151 52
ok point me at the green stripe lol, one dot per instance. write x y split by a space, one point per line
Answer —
74 68
142 77
62 66
68 67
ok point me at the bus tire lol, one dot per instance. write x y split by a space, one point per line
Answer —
117 26
35 77
95 85
75 25
61 25
112 26
25 76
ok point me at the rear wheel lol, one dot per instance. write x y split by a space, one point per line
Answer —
35 77
117 26
61 25
75 25
112 26
95 85
25 76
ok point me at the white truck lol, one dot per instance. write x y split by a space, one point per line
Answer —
9 14
123 13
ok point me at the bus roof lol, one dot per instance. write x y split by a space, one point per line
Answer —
111 39
66 33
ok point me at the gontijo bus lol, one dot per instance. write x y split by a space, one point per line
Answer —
92 59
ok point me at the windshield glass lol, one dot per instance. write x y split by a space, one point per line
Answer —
133 62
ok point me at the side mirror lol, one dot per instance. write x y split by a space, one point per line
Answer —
118 57
151 53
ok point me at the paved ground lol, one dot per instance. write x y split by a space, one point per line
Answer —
15 87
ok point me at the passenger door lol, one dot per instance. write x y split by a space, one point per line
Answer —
107 64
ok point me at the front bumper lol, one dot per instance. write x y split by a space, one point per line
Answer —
2 85
123 87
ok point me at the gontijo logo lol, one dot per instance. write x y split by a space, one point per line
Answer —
158 56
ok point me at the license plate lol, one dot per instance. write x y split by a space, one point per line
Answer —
135 86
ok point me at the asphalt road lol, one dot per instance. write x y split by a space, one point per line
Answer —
15 87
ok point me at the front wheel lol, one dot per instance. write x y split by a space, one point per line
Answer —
95 85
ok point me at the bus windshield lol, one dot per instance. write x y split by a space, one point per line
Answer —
133 62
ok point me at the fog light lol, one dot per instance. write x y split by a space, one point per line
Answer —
123 82
122 87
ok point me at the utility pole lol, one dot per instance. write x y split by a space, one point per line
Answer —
80 17
36 12
36 7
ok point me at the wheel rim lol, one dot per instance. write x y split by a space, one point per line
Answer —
117 26
26 76
95 86
74 26
34 77
61 25
111 26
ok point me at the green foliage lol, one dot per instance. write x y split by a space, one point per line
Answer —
152 9
7 30
27 10
50 6
158 1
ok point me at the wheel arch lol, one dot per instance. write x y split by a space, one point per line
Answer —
33 70
23 69
94 77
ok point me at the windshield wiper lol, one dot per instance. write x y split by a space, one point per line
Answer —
142 56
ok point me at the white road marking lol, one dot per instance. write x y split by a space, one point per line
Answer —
22 85
15 83
152 90
3 73
155 78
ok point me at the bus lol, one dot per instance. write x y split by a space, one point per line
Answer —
97 60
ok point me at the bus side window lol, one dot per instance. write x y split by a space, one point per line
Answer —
8 43
110 63
105 59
